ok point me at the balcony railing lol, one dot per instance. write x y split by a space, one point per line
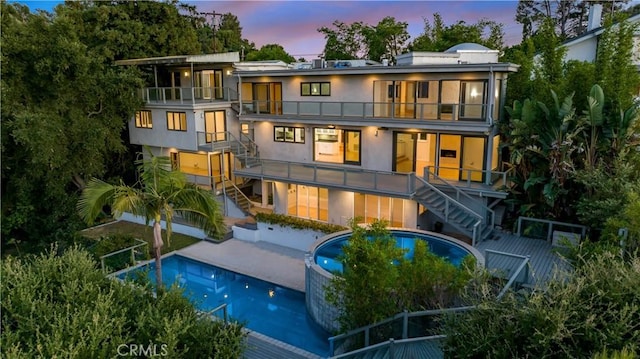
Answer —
188 95
370 110
402 184
469 177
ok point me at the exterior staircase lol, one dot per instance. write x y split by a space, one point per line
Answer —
242 147
449 209
237 196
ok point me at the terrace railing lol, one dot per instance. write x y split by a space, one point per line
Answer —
545 229
369 110
469 176
187 95
354 178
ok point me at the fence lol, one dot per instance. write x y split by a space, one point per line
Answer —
132 252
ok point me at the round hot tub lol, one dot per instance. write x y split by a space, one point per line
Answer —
322 263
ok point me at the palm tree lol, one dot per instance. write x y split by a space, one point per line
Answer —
159 192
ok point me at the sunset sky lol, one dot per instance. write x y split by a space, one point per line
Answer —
294 24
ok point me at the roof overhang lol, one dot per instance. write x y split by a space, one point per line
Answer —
227 57
369 70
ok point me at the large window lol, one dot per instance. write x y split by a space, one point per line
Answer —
315 89
472 99
143 119
369 207
288 134
308 202
214 126
262 97
177 121
337 146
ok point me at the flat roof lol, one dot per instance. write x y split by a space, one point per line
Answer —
226 57
364 70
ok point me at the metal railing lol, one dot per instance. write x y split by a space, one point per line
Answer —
488 216
400 326
398 329
508 265
237 193
544 228
450 203
189 95
225 312
352 178
225 140
470 176
369 110
131 249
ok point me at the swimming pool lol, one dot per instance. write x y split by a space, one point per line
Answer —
326 252
264 307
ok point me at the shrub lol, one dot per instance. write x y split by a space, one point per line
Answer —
63 306
298 223
378 282
592 309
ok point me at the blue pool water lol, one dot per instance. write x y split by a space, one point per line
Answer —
266 308
327 254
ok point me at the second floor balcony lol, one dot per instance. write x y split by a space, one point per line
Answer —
369 110
187 95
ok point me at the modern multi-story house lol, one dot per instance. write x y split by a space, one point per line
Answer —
414 143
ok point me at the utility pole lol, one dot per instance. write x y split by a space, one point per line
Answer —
213 25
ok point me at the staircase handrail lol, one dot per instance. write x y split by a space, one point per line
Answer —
254 145
404 315
224 190
490 214
388 343
449 200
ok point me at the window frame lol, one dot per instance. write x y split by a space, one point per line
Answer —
141 121
323 88
297 134
181 118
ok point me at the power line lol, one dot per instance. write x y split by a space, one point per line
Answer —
213 25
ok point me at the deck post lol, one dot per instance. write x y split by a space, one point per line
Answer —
405 324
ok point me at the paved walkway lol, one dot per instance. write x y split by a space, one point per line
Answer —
269 262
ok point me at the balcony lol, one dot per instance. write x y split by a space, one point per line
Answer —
369 110
366 181
187 95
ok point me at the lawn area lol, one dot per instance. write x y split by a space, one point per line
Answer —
140 231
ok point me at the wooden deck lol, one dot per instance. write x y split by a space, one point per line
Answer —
543 259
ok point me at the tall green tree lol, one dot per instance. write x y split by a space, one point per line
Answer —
63 111
271 52
439 37
343 41
615 69
385 40
160 193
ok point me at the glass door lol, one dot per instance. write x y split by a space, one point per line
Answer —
405 149
261 97
472 159
449 157
214 126
352 147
